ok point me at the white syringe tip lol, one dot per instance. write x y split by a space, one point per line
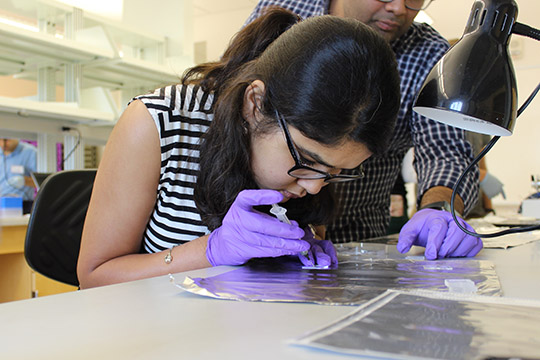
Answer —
279 212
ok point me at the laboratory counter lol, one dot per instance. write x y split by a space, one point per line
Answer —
17 280
154 319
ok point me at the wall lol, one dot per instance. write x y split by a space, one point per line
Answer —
170 18
217 29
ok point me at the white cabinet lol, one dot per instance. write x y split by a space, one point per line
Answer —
98 62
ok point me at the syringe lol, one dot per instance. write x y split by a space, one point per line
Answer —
280 213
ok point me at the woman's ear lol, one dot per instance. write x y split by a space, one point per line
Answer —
253 99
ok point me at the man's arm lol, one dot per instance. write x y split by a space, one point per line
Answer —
441 193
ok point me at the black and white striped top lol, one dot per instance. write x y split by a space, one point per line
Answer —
182 114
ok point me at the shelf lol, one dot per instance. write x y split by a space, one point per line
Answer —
119 73
23 51
26 50
54 111
129 73
99 62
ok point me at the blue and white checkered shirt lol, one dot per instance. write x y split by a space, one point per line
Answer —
441 152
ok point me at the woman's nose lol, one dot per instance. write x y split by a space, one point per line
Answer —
312 186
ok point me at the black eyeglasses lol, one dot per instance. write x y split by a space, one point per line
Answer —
303 171
415 5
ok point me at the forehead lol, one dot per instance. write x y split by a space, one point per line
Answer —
345 155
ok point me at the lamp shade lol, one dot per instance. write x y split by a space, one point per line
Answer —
473 86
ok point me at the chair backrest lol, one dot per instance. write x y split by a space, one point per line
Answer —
53 238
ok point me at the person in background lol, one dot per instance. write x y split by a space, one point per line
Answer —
441 152
190 171
17 163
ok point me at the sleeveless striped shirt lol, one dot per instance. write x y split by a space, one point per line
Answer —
182 114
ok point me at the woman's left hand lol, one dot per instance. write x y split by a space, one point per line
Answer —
438 233
321 253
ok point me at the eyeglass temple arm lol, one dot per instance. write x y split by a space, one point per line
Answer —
292 148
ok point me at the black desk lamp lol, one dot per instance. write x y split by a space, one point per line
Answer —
473 86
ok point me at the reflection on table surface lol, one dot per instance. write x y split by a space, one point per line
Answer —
364 271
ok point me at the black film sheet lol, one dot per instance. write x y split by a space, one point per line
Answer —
434 325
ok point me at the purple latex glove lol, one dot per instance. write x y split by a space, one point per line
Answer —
247 233
439 234
322 252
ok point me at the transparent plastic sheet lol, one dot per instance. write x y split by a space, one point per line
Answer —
362 274
434 325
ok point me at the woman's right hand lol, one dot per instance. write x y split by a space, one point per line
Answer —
247 233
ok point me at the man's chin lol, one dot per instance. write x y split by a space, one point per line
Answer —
388 36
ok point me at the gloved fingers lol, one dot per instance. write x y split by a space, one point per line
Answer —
276 248
414 232
257 222
316 256
279 230
305 259
286 246
246 199
407 236
476 249
437 231
242 216
449 246
469 246
295 223
467 226
237 251
479 243
454 238
321 258
330 250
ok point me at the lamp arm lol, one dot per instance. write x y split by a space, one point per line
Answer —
454 192
529 99
474 162
526 30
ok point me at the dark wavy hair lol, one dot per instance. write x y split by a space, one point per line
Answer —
333 79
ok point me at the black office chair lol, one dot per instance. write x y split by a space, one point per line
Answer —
53 238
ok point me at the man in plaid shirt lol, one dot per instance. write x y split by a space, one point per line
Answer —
441 152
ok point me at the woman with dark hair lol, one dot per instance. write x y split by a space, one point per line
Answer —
190 171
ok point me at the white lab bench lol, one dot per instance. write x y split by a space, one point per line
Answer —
153 319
